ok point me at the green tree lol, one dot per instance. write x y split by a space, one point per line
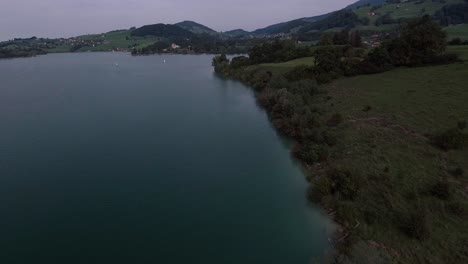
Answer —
221 63
355 39
341 38
421 41
326 40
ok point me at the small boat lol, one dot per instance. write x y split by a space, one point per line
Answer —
164 61
116 64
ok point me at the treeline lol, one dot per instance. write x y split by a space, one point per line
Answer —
18 52
200 43
421 41
344 37
161 30
453 14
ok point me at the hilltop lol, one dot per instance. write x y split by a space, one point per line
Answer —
195 27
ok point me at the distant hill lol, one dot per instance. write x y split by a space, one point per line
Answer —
298 24
340 19
162 30
196 28
289 26
237 33
370 17
366 2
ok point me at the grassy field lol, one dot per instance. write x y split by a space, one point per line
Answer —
405 10
462 51
392 140
457 31
283 67
385 141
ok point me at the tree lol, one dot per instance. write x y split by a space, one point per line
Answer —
239 62
341 38
379 57
326 40
355 39
221 63
421 41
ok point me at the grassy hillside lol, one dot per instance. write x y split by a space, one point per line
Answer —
457 31
405 10
391 140
196 28
399 196
283 67
114 40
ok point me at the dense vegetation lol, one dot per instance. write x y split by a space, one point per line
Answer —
24 47
161 30
200 43
392 189
453 14
17 52
342 18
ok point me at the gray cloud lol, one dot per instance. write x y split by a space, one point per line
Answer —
66 18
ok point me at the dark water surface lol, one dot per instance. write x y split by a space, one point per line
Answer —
147 162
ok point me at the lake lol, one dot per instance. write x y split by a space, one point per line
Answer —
109 158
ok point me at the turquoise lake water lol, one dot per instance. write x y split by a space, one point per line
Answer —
145 162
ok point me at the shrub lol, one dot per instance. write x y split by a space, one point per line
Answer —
346 183
457 208
278 82
335 120
458 172
455 41
239 62
326 77
379 56
312 153
450 139
351 66
462 125
300 72
260 80
413 222
329 138
319 188
441 189
304 88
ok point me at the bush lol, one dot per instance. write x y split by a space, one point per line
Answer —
319 188
450 139
441 190
300 72
278 82
413 222
326 77
462 125
335 120
260 80
330 138
455 41
458 172
346 183
457 208
312 153
352 66
239 62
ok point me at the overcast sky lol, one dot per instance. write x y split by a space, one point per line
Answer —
66 18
